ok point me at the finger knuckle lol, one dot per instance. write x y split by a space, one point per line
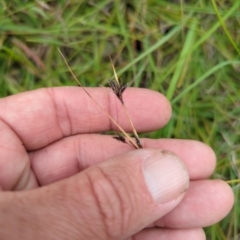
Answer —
113 200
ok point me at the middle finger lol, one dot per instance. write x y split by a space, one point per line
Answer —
71 155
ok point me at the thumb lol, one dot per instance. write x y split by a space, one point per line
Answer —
112 200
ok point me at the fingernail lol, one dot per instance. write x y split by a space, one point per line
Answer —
166 176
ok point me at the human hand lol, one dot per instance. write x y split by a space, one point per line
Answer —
47 135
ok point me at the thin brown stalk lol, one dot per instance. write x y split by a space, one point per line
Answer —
29 53
118 89
109 116
133 128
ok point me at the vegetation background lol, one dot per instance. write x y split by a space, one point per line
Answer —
187 50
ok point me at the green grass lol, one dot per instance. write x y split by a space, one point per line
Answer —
187 50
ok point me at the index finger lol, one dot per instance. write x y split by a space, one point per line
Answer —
43 116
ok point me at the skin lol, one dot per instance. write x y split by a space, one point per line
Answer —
47 139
